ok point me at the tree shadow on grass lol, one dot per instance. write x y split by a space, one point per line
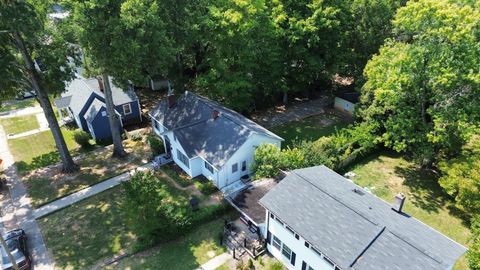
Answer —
426 193
38 162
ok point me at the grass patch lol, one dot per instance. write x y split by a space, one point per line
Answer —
387 173
15 105
177 174
16 125
187 253
95 166
27 148
86 232
310 128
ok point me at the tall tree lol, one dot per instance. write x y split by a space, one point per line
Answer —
26 33
423 87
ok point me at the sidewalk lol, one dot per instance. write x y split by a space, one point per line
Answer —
215 262
21 216
20 112
84 193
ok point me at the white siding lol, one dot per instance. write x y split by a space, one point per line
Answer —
303 253
196 165
344 105
245 153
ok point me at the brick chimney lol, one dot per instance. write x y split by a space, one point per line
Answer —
170 101
215 114
398 202
100 83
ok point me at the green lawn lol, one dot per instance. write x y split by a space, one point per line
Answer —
16 125
187 253
310 128
387 174
95 229
48 185
15 105
84 233
27 148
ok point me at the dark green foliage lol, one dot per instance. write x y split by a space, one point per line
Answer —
335 151
157 213
206 187
473 254
154 213
38 162
156 144
136 136
82 138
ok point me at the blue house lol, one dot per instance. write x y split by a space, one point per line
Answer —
84 102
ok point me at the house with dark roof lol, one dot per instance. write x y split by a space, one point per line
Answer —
84 102
317 219
206 138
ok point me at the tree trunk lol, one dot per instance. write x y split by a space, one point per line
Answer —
118 150
285 98
68 165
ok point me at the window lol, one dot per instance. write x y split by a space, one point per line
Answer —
272 216
244 166
183 158
305 266
286 251
290 230
127 109
316 251
235 168
208 167
310 268
104 113
276 242
307 244
328 261
281 223
297 236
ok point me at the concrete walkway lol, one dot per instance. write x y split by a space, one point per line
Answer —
21 112
85 193
281 114
27 133
215 262
20 213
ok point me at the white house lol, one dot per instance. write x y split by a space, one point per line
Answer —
205 138
346 101
317 219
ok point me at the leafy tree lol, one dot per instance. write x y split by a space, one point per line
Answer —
267 161
369 23
423 86
473 254
34 54
153 213
243 59
461 177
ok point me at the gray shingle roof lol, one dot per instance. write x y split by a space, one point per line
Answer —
80 89
356 231
63 102
216 141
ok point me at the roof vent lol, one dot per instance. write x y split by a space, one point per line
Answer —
215 114
100 84
398 202
170 101
358 191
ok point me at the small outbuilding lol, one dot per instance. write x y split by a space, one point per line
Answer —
346 101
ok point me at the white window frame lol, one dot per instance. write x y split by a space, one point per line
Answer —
127 105
276 243
244 168
208 166
287 252
183 158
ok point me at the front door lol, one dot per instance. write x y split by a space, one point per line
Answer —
168 147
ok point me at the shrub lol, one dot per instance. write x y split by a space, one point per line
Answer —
136 136
267 161
156 144
249 264
154 214
82 138
473 254
207 188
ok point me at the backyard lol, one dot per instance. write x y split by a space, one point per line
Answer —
16 125
310 128
387 173
96 229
